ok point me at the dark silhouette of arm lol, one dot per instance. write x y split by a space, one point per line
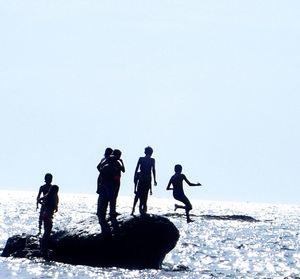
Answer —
169 185
99 167
154 172
122 165
38 197
137 167
190 183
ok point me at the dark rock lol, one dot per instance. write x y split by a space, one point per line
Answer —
140 242
243 218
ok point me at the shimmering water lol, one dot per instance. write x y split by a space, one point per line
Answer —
207 248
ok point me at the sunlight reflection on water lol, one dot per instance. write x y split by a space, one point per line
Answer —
207 248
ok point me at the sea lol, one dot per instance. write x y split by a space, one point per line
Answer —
213 246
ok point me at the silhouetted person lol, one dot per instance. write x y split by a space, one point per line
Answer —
146 166
119 168
107 192
50 206
178 194
136 196
107 153
42 192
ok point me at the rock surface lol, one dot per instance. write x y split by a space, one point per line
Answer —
140 242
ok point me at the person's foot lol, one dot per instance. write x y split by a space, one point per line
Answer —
176 207
190 220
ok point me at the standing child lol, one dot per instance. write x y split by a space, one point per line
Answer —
42 192
107 153
146 167
136 196
50 206
178 194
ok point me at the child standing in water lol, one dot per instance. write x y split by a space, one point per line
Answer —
178 194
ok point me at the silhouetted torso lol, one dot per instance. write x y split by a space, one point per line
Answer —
177 182
146 164
45 189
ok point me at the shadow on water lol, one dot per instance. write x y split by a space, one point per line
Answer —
242 218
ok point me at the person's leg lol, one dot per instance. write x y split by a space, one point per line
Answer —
140 193
41 220
143 199
134 203
187 206
146 200
48 223
179 206
113 199
101 213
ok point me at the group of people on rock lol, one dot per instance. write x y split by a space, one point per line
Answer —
110 169
108 185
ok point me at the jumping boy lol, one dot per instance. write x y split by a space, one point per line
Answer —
178 194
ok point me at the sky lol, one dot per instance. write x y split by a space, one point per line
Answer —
211 85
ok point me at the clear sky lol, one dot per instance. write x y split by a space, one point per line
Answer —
212 85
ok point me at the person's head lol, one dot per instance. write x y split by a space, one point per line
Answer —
148 151
108 151
178 168
48 178
117 153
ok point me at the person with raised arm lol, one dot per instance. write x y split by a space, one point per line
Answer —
177 182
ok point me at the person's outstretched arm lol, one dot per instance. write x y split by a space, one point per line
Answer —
190 183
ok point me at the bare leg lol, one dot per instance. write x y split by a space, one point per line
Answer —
143 202
134 203
179 206
40 221
101 213
188 219
46 236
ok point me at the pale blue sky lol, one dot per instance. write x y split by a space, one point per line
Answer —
213 85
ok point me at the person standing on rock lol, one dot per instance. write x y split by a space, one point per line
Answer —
107 153
146 167
42 192
177 182
50 206
107 193
119 168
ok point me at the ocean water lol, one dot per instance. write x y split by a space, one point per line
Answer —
207 248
